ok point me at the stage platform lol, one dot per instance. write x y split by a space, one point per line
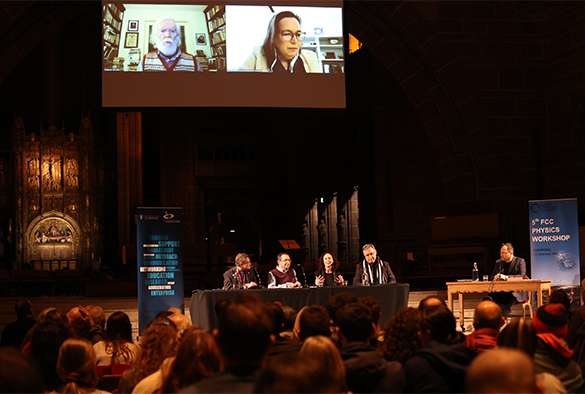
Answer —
129 305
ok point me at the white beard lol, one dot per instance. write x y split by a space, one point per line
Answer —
166 49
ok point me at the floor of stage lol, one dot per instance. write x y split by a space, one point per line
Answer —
129 305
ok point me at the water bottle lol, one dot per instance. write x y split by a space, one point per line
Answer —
365 279
475 273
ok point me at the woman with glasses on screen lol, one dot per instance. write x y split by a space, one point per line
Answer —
281 51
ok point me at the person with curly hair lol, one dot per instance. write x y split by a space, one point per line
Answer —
118 347
156 344
400 336
76 368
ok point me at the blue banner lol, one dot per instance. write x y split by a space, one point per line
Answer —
554 241
160 262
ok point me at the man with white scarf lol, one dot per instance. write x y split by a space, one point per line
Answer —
372 270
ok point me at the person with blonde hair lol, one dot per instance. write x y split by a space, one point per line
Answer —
76 368
323 350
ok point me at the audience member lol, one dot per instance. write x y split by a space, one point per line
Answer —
281 345
518 334
550 322
18 374
366 370
296 374
440 365
374 306
325 352
76 368
502 371
290 316
431 301
337 301
400 336
118 347
243 336
576 332
46 340
15 332
196 357
97 315
487 321
156 344
313 320
180 320
84 326
560 296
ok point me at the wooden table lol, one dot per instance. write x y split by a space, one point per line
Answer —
460 288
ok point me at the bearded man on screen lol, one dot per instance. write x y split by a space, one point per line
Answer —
166 38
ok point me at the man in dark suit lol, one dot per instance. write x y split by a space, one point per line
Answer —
508 265
240 276
372 270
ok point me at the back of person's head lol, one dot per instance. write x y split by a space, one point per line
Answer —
488 314
244 333
156 344
355 322
60 318
323 350
518 334
501 370
79 318
220 307
293 373
290 314
337 301
400 336
46 340
431 301
276 315
97 315
374 306
439 322
23 308
560 296
18 374
197 357
119 327
76 365
181 321
551 318
314 321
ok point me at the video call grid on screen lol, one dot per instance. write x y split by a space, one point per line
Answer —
222 38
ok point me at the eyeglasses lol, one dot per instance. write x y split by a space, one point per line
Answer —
288 35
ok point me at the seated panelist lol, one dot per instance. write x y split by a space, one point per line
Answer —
240 276
326 274
282 276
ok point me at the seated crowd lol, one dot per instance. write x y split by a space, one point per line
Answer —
265 347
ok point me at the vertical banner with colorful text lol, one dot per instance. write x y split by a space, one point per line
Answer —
160 262
554 241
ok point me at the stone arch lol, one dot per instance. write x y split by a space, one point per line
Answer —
52 235
421 64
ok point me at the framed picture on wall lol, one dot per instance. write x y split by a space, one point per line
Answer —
200 38
131 40
132 25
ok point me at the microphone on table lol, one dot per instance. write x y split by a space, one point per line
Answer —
304 275
258 277
236 285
